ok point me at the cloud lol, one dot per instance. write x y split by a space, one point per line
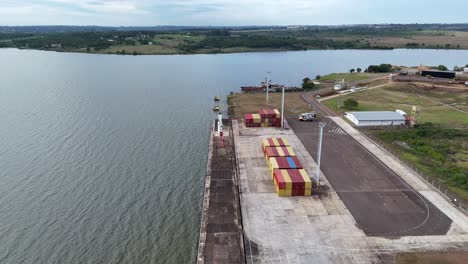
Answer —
226 12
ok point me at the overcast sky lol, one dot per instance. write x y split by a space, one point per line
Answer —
229 12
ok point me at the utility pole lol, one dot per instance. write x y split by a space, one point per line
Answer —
267 83
282 109
339 102
319 151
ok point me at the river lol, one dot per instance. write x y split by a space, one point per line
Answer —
103 157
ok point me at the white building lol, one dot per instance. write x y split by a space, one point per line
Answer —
376 118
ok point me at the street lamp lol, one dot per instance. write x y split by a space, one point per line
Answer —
319 151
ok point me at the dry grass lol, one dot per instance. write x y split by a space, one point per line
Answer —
424 39
241 104
140 49
432 258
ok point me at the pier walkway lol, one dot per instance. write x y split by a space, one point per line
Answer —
221 239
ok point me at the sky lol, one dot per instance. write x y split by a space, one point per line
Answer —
229 12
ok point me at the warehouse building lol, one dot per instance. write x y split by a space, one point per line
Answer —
376 118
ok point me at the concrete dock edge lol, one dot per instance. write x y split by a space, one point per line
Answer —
221 237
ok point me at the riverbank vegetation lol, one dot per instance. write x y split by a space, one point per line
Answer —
228 40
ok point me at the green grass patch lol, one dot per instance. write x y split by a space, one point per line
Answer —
349 77
404 96
434 151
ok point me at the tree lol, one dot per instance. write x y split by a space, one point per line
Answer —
380 68
307 84
350 103
359 70
352 70
318 77
442 68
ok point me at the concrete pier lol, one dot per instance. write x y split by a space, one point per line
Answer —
221 239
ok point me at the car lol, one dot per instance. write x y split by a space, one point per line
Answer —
308 116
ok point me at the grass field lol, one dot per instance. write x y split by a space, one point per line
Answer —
423 39
349 77
241 104
440 153
404 96
432 258
140 49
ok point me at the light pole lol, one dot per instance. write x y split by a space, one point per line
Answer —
267 83
282 109
319 151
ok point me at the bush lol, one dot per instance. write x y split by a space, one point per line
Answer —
350 103
380 68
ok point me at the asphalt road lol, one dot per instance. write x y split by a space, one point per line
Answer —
379 200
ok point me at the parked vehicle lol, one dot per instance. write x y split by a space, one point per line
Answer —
308 116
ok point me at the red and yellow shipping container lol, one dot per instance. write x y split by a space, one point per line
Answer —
283 163
265 118
292 182
274 142
269 113
252 120
279 152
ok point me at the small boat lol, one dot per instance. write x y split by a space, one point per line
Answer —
216 108
217 98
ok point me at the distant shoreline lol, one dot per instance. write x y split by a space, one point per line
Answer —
226 41
221 53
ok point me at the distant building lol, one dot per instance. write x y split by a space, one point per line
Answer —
376 118
439 74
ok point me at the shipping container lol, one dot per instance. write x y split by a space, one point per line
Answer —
292 182
274 142
269 113
283 163
252 120
279 152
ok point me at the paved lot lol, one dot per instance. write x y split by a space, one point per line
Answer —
292 229
380 201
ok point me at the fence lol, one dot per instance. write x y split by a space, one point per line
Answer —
436 183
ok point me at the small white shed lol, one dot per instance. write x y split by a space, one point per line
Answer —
376 118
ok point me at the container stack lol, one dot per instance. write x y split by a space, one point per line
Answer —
292 183
278 152
265 118
252 120
274 142
289 177
283 163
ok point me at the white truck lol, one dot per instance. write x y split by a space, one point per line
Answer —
308 116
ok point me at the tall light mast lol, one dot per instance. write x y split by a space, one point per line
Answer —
319 151
282 109
267 83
